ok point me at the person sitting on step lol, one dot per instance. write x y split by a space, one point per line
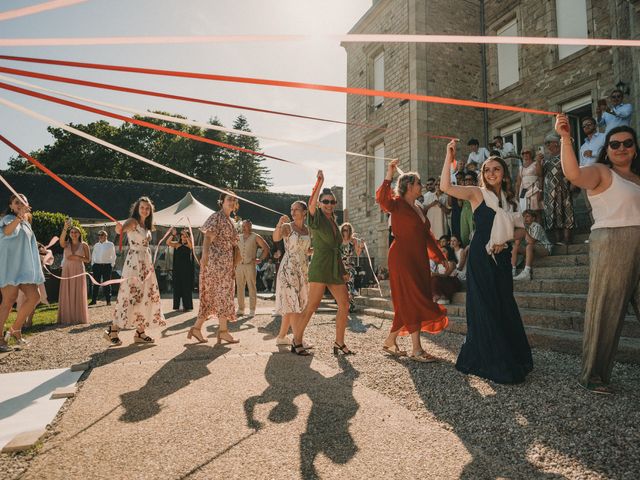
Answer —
536 245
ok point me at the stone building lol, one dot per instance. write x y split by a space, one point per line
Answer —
552 78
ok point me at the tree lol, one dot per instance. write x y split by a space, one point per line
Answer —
73 155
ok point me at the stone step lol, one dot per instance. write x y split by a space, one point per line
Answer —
574 248
565 341
561 260
561 319
580 272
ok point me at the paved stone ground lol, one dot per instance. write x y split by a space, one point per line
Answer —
176 410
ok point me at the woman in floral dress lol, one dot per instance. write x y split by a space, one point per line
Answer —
292 285
217 272
138 303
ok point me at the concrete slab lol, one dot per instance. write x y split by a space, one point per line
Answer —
25 403
24 441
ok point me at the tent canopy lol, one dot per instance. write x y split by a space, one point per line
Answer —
180 214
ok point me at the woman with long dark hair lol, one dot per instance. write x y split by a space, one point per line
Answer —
409 272
20 268
138 304
182 271
72 300
613 189
496 345
217 271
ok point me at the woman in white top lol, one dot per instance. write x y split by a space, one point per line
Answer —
461 257
613 188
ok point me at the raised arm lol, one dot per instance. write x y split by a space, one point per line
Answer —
127 226
265 247
315 193
63 233
384 197
282 229
473 194
586 177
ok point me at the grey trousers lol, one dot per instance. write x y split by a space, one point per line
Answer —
614 281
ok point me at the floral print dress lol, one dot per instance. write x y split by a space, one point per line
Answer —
292 285
218 277
138 304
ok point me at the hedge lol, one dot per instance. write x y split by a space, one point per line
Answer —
47 225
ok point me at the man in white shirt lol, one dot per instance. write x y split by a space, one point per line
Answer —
505 149
616 114
103 259
593 142
478 154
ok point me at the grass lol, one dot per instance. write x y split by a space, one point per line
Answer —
45 316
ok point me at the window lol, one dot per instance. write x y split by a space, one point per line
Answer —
512 134
378 78
508 72
378 153
571 18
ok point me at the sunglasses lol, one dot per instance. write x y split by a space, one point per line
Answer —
525 152
328 202
584 125
616 96
615 144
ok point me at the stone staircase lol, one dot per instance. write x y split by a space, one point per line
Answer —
552 304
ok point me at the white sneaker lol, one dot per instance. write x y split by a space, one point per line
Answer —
524 275
283 341
586 241
443 301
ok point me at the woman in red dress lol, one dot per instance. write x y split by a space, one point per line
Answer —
409 272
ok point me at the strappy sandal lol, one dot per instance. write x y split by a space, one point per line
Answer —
299 350
17 336
597 387
141 337
394 351
111 335
423 357
342 349
194 332
220 339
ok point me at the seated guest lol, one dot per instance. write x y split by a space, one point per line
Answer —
478 154
536 245
460 252
444 283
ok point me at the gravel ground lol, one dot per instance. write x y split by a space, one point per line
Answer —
548 427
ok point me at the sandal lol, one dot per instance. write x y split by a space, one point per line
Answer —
228 339
423 357
394 350
597 387
194 332
342 349
299 349
17 336
112 337
141 337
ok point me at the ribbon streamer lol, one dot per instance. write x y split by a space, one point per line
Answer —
12 190
375 277
282 83
142 123
183 121
39 8
82 134
350 38
106 86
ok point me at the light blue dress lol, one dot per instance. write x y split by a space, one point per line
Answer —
19 258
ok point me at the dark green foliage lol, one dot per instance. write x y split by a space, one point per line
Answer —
46 225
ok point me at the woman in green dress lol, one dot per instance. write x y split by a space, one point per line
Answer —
326 269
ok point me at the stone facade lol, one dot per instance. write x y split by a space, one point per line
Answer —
545 82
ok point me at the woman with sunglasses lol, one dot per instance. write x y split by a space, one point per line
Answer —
496 346
182 271
326 269
409 272
613 188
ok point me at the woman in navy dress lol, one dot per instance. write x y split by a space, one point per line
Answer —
496 345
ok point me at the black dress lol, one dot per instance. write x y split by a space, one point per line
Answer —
182 277
496 346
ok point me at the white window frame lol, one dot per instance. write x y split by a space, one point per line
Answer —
377 80
512 129
571 22
378 166
508 56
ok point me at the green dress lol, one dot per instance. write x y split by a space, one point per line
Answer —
326 263
466 222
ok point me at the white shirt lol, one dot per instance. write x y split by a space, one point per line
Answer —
621 116
104 252
507 149
595 144
478 157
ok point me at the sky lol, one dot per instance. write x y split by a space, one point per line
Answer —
312 61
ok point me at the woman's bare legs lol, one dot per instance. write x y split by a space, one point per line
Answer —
299 321
285 324
9 296
341 295
32 298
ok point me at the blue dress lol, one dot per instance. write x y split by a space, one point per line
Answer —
496 346
19 257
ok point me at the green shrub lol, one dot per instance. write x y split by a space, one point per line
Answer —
47 225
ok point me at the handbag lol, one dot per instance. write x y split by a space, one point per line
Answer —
237 256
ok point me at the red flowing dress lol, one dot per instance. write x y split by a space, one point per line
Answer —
409 272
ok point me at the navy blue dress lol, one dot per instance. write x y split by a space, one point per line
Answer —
496 346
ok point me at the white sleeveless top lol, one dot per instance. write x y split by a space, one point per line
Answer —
618 206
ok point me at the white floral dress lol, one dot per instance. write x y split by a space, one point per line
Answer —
217 279
292 284
138 303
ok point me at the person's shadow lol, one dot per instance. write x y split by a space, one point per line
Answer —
174 375
333 406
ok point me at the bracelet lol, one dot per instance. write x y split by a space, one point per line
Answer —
571 138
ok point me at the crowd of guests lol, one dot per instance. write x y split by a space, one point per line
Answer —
470 224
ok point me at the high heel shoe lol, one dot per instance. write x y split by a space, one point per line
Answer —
341 349
230 339
194 332
299 349
141 337
17 336
111 335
